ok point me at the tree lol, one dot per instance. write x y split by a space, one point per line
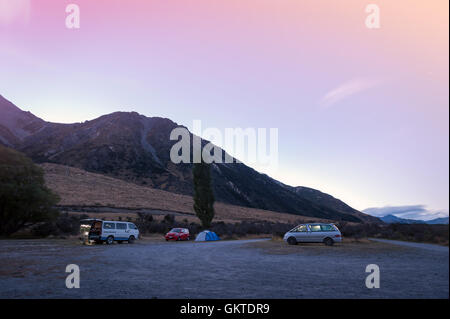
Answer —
203 193
24 198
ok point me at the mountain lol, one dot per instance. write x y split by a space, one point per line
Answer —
391 219
327 200
15 124
442 220
136 148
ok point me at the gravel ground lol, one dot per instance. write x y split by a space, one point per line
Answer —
225 269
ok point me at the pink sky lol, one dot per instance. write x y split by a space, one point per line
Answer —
362 113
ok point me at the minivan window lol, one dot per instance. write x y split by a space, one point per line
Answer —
301 228
121 226
132 226
315 227
327 227
109 225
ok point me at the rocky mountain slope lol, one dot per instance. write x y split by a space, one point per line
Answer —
136 148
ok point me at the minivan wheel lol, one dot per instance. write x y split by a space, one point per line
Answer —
292 241
328 241
131 240
109 240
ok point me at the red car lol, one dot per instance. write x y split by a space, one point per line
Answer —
178 234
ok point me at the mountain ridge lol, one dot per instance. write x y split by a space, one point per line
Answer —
392 219
136 148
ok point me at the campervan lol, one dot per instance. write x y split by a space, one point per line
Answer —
99 231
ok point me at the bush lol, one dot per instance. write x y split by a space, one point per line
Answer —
63 225
24 198
45 230
169 219
409 232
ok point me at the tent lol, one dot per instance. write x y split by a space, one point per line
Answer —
207 235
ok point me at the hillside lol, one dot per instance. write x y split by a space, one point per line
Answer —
78 188
136 148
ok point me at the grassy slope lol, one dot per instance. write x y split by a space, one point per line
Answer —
77 187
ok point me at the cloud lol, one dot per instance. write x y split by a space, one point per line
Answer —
408 212
346 90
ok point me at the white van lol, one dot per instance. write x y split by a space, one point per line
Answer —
314 233
99 231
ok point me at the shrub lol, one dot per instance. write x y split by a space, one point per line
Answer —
24 198
65 224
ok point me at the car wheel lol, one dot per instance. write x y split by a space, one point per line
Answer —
131 240
292 241
110 240
328 241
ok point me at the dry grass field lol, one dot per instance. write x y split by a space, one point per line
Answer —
77 187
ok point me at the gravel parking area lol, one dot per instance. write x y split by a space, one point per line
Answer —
225 269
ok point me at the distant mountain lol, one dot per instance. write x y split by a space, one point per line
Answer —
136 148
391 219
443 220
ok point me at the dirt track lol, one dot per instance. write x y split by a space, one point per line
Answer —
226 269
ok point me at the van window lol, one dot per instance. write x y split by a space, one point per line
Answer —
109 225
301 228
132 226
121 226
315 227
327 228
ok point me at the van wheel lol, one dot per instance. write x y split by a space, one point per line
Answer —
292 241
110 240
131 240
328 241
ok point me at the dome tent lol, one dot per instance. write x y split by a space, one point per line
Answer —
207 235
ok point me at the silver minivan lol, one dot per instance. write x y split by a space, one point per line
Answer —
314 233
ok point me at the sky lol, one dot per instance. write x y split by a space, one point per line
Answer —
362 113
